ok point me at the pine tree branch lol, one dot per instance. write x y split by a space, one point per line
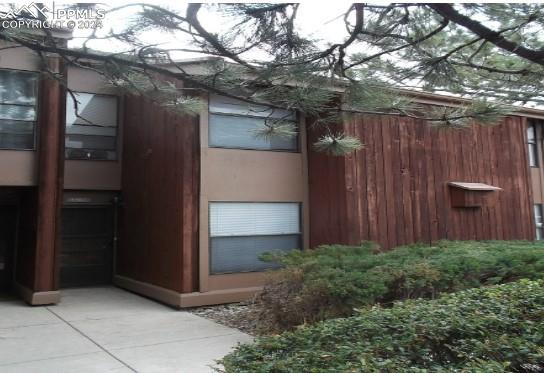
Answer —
192 19
448 12
114 58
414 42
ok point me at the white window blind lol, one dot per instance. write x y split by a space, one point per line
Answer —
253 219
241 231
233 124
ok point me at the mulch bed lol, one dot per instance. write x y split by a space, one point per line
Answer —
241 316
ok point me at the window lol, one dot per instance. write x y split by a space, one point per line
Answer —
539 221
532 144
240 232
232 124
18 101
92 135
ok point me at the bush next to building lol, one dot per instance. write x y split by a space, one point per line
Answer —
491 329
333 281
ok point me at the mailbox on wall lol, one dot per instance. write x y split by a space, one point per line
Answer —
463 194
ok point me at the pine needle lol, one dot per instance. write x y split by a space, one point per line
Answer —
338 144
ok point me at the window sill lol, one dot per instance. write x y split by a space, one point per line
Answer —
18 149
258 150
91 160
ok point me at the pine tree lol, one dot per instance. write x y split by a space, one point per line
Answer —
490 53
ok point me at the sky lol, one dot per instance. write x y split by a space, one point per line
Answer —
322 20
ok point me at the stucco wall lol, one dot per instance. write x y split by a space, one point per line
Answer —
247 176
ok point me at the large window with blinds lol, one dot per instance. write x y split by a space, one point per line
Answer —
234 124
241 231
91 133
18 109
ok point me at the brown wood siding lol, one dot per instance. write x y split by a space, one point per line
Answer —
38 242
394 191
159 214
50 151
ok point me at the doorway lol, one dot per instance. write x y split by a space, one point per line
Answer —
8 226
87 240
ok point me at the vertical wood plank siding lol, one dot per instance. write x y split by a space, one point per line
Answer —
50 151
159 216
394 191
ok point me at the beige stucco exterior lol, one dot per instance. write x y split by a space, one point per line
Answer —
247 176
17 168
18 58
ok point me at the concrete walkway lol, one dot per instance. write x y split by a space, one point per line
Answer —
107 329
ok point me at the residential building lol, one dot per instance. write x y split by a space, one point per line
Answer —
178 208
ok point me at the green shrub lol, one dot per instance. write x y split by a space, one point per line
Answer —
492 329
332 281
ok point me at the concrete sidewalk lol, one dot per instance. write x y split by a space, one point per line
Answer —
107 329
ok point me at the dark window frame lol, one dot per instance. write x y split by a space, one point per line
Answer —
296 122
36 108
300 234
118 121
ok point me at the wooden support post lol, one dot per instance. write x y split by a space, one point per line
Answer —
51 127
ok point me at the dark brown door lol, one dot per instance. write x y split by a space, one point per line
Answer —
8 218
87 237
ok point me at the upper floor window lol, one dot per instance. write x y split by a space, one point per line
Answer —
92 132
18 113
233 124
532 145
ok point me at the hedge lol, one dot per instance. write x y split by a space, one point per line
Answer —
493 329
333 281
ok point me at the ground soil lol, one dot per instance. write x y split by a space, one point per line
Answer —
242 316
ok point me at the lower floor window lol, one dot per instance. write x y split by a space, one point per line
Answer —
539 222
241 231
